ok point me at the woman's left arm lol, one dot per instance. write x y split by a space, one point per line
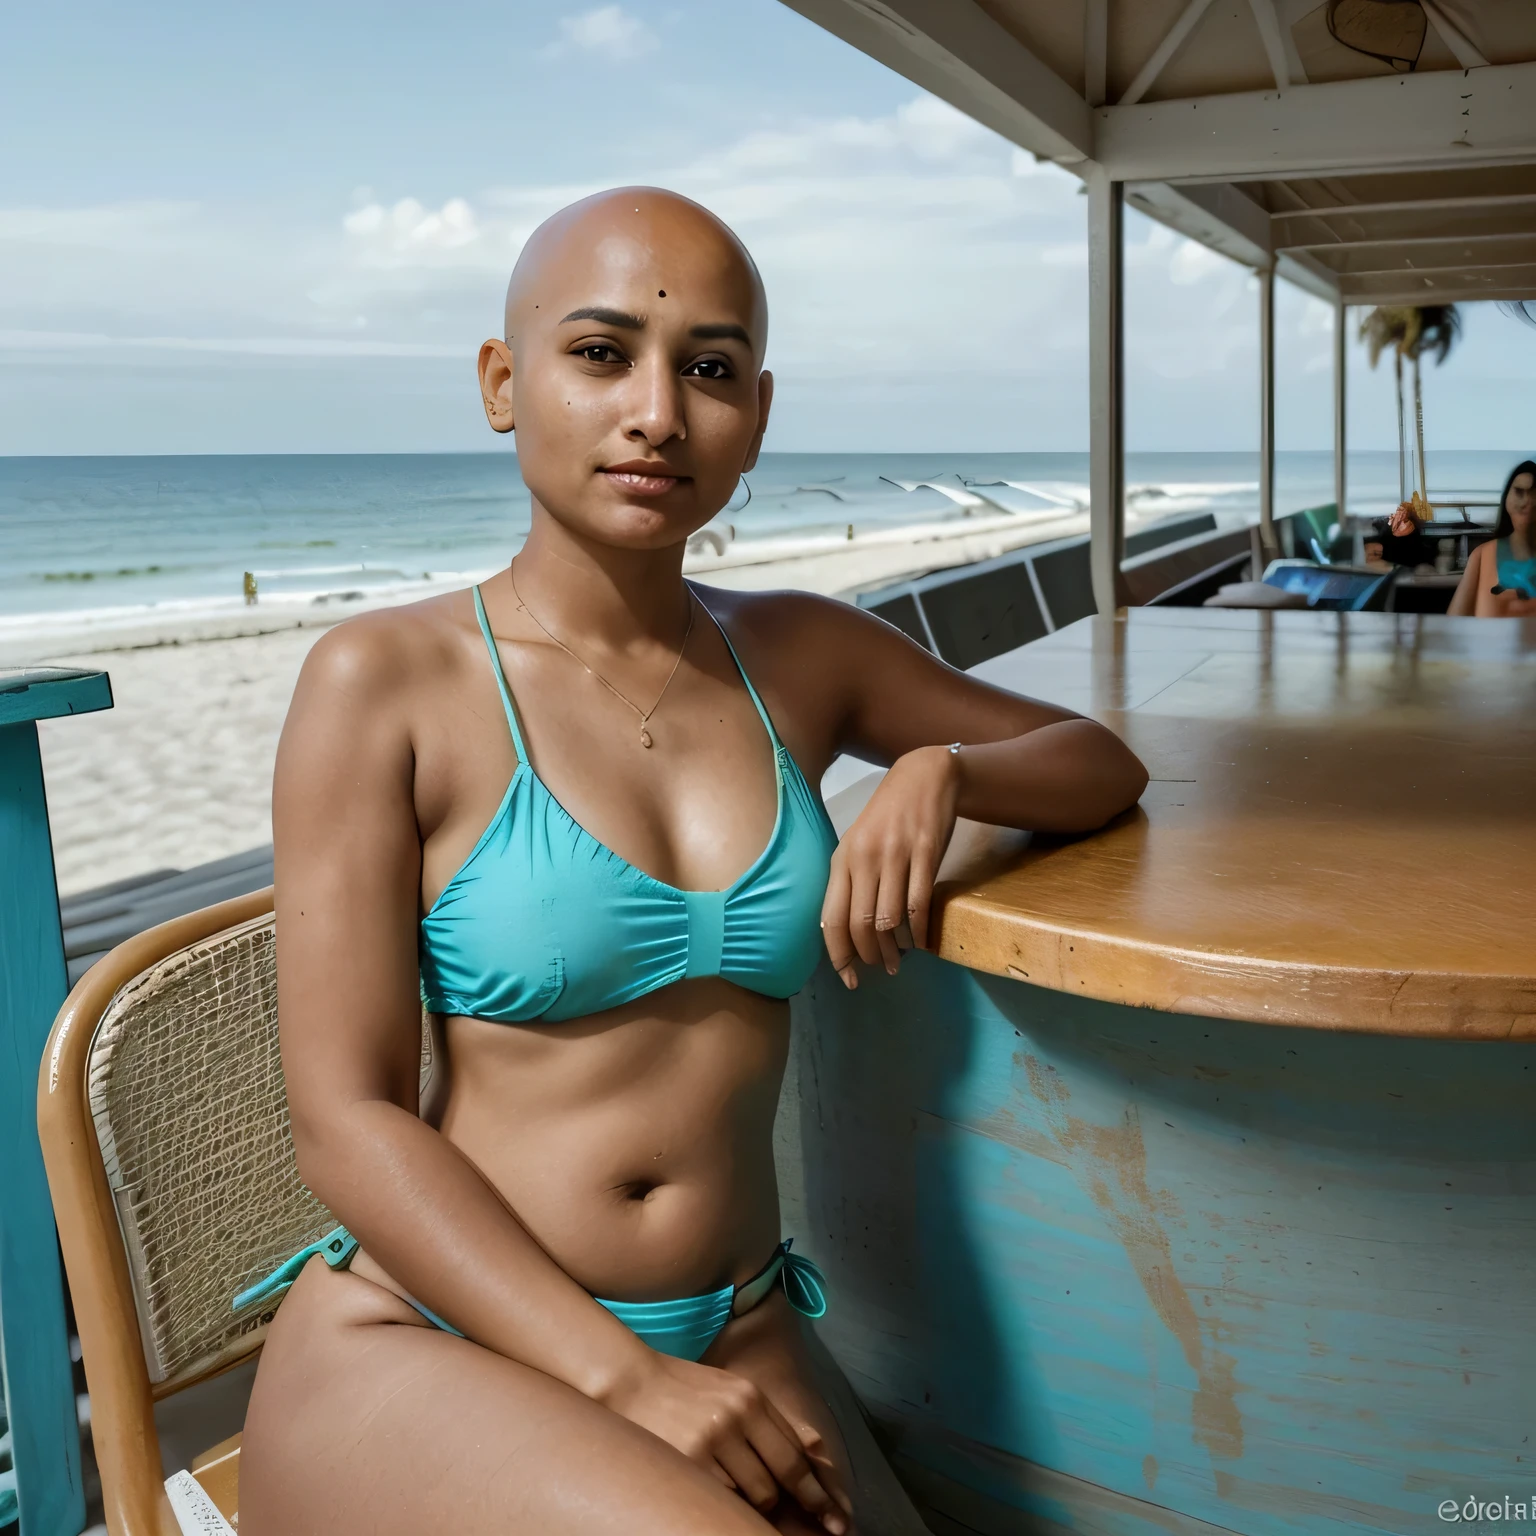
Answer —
956 747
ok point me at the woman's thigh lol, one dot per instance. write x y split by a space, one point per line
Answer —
774 1348
365 1418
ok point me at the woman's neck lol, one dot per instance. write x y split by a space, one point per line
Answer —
1520 544
597 595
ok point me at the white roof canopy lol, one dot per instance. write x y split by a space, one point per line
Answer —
1375 151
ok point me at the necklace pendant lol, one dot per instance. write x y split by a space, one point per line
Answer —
645 737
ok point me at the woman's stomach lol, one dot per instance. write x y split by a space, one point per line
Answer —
635 1145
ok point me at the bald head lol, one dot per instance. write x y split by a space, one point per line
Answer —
613 238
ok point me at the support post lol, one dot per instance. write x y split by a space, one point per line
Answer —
1267 536
34 1348
1340 418
1106 386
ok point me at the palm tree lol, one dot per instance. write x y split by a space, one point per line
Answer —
1411 332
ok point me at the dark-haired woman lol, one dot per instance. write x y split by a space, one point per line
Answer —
1500 579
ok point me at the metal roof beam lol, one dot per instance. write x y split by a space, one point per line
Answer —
1404 270
1096 51
961 55
1428 221
1446 118
1409 205
1220 216
1399 242
1226 219
1448 288
1274 43
1173 39
1309 275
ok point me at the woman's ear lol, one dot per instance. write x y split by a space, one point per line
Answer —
764 405
496 384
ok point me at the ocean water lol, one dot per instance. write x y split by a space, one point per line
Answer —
101 540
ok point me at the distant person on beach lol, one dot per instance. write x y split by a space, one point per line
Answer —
573 810
1500 579
250 588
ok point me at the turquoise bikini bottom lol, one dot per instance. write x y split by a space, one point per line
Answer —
684 1328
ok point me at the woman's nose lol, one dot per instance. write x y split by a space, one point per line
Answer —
654 402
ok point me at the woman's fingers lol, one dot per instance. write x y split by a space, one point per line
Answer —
814 1444
751 1475
864 892
834 921
891 910
779 1447
920 893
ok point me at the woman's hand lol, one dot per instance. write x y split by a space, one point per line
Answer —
882 876
729 1426
1513 604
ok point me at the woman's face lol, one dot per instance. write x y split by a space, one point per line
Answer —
633 377
1521 502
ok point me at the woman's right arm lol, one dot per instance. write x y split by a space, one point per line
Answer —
1464 599
348 859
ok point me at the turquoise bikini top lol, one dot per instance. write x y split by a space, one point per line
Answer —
1518 575
544 922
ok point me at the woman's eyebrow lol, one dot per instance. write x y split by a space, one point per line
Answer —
725 331
606 316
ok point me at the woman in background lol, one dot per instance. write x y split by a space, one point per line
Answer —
1500 579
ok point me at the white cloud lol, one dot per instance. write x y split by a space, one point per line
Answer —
1192 262
917 215
408 231
609 29
925 276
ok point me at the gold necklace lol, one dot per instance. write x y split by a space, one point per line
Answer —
644 714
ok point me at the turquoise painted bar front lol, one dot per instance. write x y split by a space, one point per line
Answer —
34 1348
1134 1271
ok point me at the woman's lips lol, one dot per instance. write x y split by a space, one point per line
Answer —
641 482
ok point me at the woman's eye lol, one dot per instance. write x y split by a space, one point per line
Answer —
599 352
709 368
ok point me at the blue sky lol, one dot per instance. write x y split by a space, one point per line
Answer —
287 228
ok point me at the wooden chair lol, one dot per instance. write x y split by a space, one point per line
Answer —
165 1134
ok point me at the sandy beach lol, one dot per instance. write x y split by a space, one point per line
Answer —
179 771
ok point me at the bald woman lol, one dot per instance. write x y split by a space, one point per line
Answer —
573 810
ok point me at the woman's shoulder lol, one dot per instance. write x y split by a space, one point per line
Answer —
390 649
789 619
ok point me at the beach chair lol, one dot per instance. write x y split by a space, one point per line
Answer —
165 1134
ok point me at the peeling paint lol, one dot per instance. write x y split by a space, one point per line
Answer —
1110 1162
1005 1126
1298 1503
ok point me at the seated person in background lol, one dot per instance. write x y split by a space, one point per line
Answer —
1500 579
1399 540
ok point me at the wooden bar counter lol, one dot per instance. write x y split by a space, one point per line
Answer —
1192 1187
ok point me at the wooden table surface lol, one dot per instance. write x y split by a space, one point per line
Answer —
1340 832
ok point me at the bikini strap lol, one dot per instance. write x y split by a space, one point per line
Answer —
501 678
763 714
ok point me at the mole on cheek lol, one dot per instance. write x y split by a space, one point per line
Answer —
661 293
